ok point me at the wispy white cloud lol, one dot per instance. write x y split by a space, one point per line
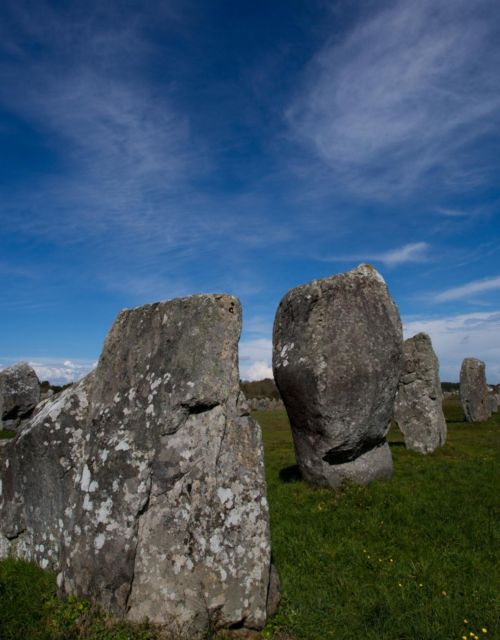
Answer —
55 370
122 145
456 337
404 97
413 252
468 290
123 193
258 370
453 213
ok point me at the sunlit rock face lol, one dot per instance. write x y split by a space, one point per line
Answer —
143 485
337 356
19 393
474 390
419 402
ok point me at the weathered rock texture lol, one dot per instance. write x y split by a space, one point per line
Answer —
143 485
19 393
337 358
493 403
474 390
419 402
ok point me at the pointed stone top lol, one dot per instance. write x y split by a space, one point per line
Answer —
368 271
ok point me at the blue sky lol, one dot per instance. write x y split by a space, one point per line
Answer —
153 150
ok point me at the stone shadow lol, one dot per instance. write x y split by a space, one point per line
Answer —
290 474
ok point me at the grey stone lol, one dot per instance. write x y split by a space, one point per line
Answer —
19 392
274 592
143 485
493 402
418 408
337 356
474 390
47 394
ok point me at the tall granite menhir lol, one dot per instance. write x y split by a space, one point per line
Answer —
474 390
143 485
419 402
337 357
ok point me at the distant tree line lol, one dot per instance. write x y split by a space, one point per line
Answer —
260 389
267 388
56 388
450 386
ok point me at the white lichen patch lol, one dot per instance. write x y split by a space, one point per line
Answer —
369 271
123 445
85 478
99 541
87 503
225 496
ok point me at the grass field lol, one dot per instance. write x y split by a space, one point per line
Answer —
411 559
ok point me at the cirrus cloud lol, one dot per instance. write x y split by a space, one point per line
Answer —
404 96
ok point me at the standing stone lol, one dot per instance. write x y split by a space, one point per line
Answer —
337 355
493 403
19 392
474 390
419 401
143 485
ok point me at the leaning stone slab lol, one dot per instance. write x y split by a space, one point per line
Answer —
143 485
19 393
418 409
474 390
337 355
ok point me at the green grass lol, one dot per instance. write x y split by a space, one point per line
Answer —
30 610
409 559
6 434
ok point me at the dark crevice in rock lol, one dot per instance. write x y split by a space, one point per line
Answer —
238 625
334 456
199 407
14 536
171 481
66 471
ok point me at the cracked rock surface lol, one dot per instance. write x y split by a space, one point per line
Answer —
337 355
19 393
474 390
143 485
418 409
